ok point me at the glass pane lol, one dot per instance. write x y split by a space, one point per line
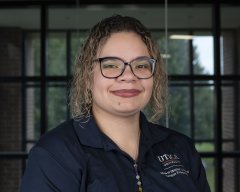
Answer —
77 39
14 23
229 131
10 117
203 54
32 54
205 83
205 146
209 165
228 52
178 55
204 112
230 33
182 22
57 105
62 17
56 64
231 174
33 107
84 17
190 17
179 109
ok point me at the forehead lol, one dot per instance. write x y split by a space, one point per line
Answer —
123 43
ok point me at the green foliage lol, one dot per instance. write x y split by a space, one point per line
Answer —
57 106
37 113
203 112
56 96
77 41
209 167
205 147
208 162
56 63
179 108
36 62
56 93
178 62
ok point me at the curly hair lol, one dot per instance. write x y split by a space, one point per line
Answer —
80 91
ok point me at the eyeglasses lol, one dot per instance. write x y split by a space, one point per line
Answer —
113 67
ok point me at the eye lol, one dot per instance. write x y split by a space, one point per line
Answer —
143 65
109 66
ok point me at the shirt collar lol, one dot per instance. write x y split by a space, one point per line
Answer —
88 132
151 133
90 135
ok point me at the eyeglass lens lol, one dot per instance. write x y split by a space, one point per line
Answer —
114 67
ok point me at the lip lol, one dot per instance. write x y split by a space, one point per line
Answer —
126 92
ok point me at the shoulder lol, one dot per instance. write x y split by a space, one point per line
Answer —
61 135
158 133
62 144
168 133
55 161
172 140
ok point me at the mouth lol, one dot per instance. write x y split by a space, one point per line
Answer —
126 92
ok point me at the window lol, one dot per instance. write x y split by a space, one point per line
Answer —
36 64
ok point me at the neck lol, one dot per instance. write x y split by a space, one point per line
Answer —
124 131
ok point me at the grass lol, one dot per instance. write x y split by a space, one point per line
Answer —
208 163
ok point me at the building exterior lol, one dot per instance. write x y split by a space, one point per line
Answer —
39 41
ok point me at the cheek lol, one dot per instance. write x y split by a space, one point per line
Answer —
100 85
96 87
149 90
149 86
97 78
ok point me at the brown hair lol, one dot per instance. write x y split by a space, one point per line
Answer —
80 92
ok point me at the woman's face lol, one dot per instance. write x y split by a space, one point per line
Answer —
125 95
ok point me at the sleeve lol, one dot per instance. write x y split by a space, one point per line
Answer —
198 171
45 173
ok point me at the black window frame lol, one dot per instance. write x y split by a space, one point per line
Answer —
218 79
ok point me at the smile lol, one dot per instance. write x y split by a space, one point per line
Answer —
126 92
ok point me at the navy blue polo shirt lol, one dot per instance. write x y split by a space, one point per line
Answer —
77 157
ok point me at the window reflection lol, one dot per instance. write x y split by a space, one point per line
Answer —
203 55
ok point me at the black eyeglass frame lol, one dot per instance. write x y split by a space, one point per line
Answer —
153 63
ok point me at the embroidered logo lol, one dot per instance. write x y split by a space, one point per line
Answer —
172 165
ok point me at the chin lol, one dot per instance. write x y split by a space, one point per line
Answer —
127 113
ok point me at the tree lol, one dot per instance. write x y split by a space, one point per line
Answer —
179 108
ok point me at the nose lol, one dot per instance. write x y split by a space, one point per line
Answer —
127 74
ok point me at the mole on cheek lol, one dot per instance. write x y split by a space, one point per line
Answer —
119 103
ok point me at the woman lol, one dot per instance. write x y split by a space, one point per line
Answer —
109 145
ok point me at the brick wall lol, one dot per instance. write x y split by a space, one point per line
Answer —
228 112
29 60
238 104
10 107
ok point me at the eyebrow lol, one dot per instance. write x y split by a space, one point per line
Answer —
114 57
